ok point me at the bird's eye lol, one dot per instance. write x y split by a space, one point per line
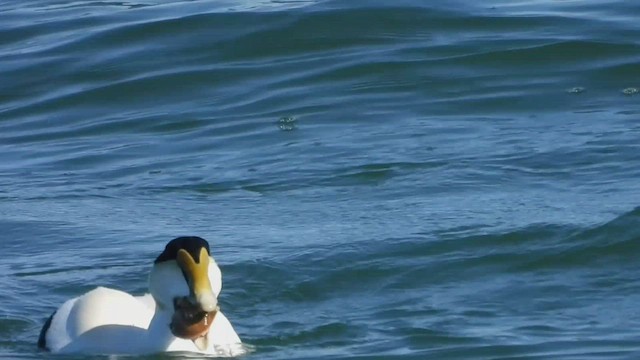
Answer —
180 302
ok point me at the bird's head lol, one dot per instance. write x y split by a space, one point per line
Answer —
186 281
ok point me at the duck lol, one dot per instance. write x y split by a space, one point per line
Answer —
180 313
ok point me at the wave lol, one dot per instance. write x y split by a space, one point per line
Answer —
441 292
423 261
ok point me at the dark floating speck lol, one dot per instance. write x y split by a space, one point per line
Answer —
576 90
287 123
630 91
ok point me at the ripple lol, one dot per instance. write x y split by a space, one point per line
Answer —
444 193
332 334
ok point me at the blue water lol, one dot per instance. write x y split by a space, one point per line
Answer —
456 180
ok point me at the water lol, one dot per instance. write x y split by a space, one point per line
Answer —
377 179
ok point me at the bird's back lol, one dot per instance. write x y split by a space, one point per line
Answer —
101 321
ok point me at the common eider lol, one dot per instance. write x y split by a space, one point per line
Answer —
180 313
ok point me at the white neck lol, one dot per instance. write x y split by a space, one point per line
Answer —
159 330
160 334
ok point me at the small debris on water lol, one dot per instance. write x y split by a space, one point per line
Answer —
630 91
287 123
576 90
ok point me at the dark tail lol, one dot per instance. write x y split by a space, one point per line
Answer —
42 339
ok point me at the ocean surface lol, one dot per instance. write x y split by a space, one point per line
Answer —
378 179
